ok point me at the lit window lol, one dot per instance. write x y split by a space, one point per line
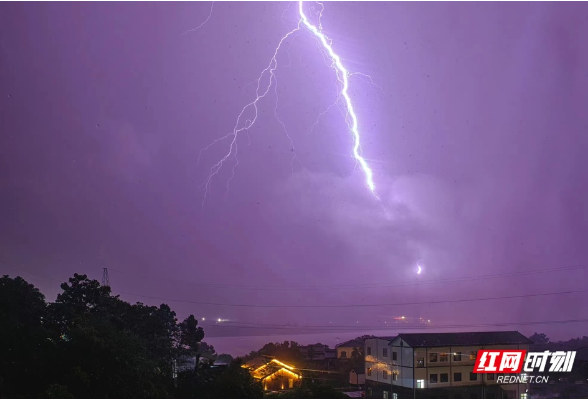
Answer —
369 372
420 384
524 396
394 395
385 394
443 357
457 356
385 374
395 376
473 355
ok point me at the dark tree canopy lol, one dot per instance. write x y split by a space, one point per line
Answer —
539 338
288 351
91 344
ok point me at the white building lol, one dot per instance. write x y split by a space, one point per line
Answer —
434 365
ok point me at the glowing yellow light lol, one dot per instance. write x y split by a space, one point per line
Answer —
282 364
272 376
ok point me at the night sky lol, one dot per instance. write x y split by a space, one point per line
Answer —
475 127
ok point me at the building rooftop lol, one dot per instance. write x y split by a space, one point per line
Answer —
351 343
463 339
262 368
390 338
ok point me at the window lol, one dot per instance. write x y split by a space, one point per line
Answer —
420 384
394 355
369 351
395 376
420 362
433 357
290 383
433 378
384 352
473 376
524 396
369 392
444 377
473 355
385 394
343 354
457 356
394 395
369 372
385 374
490 377
443 357
457 377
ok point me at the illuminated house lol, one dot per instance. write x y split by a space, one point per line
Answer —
438 365
274 374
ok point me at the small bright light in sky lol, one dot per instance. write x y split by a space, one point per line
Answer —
419 270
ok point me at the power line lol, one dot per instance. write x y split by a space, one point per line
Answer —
343 328
348 305
367 285
357 305
334 287
337 328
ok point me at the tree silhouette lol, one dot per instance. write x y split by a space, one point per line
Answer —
539 338
190 337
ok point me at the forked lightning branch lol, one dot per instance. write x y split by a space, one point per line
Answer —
244 124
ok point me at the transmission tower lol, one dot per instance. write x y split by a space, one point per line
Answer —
105 279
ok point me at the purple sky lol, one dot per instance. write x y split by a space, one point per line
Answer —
476 135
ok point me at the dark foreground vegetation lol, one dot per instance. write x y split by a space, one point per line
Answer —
91 344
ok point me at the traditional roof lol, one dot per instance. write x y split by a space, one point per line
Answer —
463 339
270 368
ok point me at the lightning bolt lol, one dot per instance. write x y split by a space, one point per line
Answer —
203 23
243 125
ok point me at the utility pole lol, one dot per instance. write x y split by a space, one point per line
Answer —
105 279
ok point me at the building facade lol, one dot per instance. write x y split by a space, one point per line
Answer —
345 349
438 365
273 374
320 355
357 377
